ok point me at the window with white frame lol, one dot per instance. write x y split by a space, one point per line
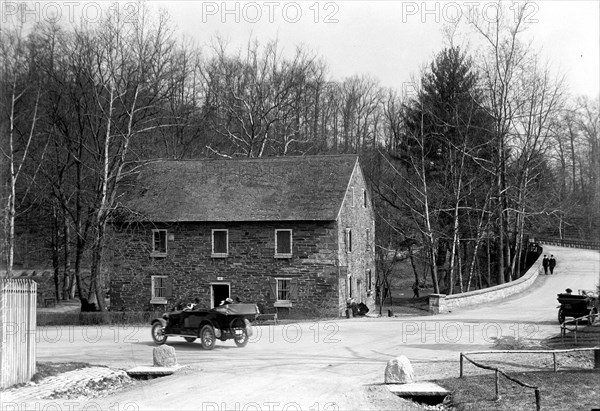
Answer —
161 289
283 243
368 239
352 196
348 240
220 243
159 243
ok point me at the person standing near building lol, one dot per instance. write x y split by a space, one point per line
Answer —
552 263
416 289
545 264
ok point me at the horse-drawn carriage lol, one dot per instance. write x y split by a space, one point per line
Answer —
584 304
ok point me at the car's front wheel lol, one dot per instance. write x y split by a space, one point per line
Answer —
158 333
207 337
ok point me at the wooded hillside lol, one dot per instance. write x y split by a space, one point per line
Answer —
489 150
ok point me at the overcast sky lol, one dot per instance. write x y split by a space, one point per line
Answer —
391 40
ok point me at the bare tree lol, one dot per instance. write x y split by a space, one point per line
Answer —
20 102
500 62
255 96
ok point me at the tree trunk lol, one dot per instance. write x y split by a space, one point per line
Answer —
76 285
55 253
67 264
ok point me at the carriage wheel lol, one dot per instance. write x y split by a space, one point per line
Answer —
561 315
592 316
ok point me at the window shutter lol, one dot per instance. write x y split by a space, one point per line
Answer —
272 289
168 288
294 290
350 240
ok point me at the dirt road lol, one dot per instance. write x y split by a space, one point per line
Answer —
327 365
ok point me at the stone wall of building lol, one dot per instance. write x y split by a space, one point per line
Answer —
248 268
357 217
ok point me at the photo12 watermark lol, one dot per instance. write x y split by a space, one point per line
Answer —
75 12
316 333
454 332
55 334
269 12
471 11
67 406
268 406
67 12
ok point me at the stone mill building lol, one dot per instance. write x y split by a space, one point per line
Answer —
293 234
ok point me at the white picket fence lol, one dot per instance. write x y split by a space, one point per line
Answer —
17 331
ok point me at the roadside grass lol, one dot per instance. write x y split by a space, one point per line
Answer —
50 369
562 390
566 389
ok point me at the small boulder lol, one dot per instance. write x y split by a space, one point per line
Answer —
399 371
164 356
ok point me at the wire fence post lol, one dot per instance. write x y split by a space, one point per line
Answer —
538 405
497 386
554 360
461 365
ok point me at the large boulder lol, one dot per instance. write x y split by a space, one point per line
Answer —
399 371
164 356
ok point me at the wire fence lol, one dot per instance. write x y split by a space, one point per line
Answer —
498 371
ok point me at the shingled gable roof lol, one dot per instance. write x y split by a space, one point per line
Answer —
309 188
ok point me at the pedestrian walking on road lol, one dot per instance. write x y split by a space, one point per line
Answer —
552 263
545 264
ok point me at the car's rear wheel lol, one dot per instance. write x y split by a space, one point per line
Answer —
207 337
240 334
241 340
561 315
190 339
158 333
592 316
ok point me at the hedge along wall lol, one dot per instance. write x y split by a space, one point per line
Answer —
441 303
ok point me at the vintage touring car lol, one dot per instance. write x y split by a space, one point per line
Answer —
580 305
228 321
